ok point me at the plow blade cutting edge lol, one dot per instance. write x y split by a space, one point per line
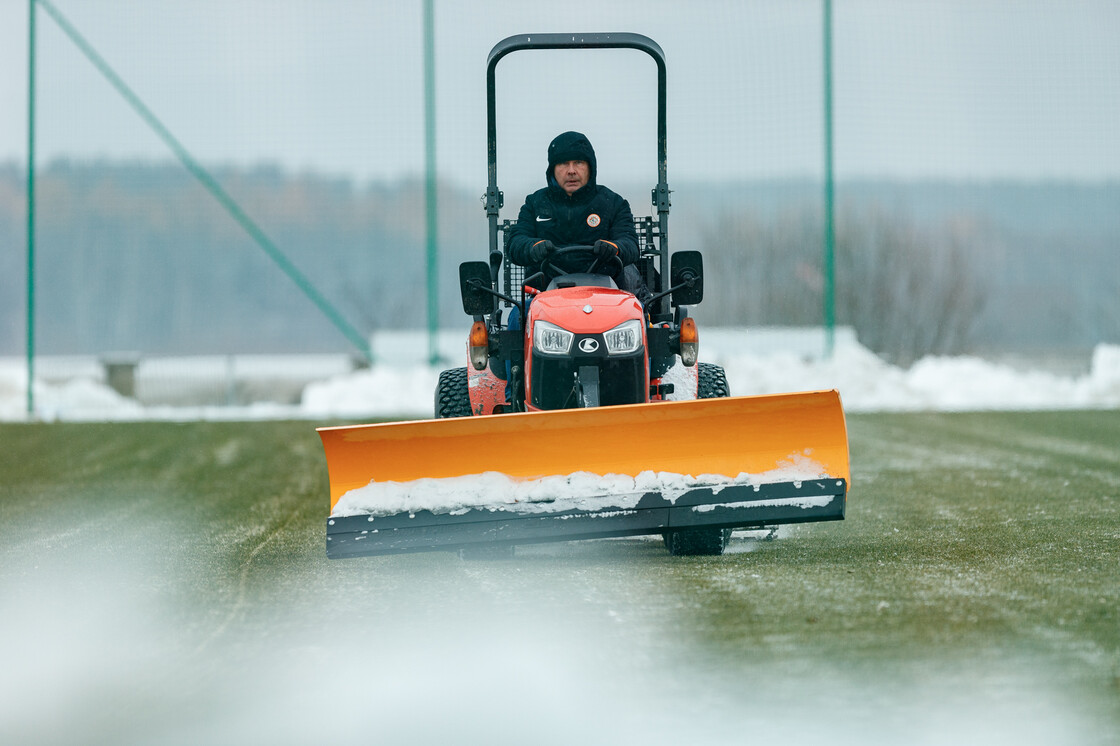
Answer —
450 484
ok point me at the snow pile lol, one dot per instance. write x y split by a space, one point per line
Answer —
77 399
754 362
580 490
868 384
382 391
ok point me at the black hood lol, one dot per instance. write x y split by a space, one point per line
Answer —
570 146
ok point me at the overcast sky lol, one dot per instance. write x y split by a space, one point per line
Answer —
930 88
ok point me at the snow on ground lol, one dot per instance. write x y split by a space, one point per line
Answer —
756 362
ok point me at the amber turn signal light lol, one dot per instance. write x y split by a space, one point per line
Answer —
690 342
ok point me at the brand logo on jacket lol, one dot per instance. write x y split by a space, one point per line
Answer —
593 220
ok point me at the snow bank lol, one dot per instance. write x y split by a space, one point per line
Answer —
78 399
868 384
382 391
405 390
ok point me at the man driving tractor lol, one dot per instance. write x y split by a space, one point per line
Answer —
574 210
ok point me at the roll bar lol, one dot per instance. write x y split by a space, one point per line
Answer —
520 42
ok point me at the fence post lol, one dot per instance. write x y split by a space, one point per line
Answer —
829 299
430 184
31 208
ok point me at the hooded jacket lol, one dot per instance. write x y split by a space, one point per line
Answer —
591 213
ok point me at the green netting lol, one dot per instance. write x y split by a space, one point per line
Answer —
977 170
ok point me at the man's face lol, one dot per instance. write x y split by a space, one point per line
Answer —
572 175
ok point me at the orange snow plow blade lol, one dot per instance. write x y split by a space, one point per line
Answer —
783 442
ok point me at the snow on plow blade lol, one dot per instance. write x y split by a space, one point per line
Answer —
563 475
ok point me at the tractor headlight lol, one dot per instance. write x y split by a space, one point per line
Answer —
549 339
624 338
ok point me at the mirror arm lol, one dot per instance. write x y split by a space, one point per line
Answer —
689 279
480 285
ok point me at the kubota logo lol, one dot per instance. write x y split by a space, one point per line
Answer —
588 345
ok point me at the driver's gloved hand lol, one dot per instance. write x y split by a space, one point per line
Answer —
605 250
539 251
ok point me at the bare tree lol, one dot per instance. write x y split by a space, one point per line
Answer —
908 289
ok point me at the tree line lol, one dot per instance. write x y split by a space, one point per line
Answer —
138 256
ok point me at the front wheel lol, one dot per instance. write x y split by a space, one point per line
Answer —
711 381
453 397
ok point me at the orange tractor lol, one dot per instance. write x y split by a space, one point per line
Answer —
594 418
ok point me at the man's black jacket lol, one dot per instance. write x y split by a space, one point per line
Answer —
580 219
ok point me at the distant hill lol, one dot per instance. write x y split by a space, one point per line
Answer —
138 256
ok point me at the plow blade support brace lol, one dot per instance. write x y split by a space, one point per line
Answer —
721 436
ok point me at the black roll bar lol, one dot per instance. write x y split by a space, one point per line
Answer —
521 42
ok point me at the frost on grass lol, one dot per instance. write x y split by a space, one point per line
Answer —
549 494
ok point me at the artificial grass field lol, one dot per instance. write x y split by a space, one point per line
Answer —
167 583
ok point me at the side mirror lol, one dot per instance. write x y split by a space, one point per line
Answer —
474 284
687 278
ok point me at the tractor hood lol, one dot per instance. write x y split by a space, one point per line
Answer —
585 310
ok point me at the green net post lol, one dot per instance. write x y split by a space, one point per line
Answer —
829 263
430 186
31 207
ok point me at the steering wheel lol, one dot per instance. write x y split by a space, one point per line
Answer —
571 253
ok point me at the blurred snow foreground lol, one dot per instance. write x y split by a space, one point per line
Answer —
400 386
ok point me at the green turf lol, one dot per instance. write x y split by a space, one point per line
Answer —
979 562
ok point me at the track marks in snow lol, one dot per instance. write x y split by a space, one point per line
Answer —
238 608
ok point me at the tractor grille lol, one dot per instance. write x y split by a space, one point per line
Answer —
622 380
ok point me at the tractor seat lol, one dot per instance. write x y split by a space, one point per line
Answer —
582 279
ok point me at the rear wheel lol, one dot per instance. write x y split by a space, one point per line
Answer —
681 542
453 398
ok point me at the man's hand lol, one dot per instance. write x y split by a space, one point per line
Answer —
605 250
539 251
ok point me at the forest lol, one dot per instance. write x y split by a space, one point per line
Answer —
138 256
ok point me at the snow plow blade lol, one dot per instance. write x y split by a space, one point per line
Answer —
462 483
